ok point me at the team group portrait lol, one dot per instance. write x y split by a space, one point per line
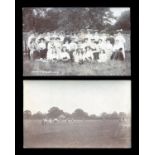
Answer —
76 41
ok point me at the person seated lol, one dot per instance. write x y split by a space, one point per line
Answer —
88 54
52 55
78 56
64 55
102 56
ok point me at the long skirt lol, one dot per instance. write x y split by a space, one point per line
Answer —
43 54
117 56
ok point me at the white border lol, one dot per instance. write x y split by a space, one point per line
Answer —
7 81
147 77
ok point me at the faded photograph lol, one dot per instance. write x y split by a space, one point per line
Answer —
77 114
76 41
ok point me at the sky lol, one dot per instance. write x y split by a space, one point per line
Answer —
118 11
94 97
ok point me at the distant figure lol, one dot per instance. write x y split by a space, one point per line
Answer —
50 121
55 120
44 122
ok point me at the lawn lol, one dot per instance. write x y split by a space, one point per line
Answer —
76 134
48 68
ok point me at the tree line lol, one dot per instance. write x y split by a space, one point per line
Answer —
73 19
78 114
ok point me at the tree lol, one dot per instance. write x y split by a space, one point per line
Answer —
93 116
66 19
38 115
104 115
114 115
67 115
54 112
28 20
27 114
122 115
80 114
123 21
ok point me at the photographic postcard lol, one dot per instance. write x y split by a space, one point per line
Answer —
76 41
77 114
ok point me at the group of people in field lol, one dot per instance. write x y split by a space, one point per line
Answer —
76 47
49 121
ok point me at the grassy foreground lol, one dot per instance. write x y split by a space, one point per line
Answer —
48 68
77 134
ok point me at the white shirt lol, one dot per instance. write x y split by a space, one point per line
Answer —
120 38
73 46
64 55
102 57
42 45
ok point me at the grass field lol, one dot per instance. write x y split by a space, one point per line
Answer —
47 68
77 134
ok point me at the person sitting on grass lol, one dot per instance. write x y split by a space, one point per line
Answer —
77 56
64 55
88 54
102 56
52 55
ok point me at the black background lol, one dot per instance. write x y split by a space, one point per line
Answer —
134 10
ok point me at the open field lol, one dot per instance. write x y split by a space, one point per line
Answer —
76 134
47 68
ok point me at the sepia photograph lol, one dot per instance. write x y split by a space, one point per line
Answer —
76 41
77 114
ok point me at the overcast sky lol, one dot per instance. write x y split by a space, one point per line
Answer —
93 97
118 11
